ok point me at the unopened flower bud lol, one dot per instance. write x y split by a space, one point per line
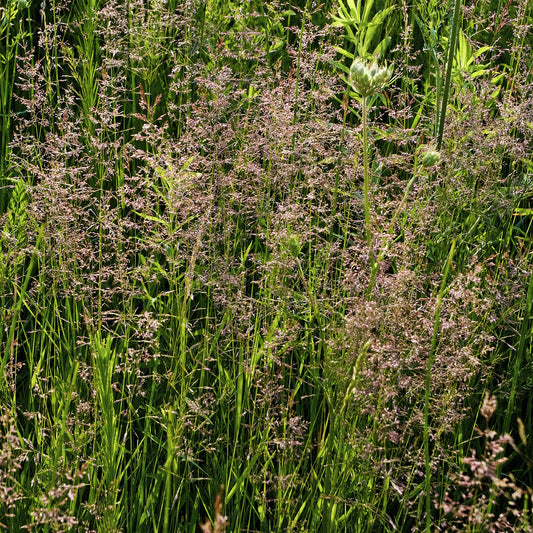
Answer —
430 158
294 246
368 79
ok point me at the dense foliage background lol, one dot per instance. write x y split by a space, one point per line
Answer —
237 296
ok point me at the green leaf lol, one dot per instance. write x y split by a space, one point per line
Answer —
345 53
372 27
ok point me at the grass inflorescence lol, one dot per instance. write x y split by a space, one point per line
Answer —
266 266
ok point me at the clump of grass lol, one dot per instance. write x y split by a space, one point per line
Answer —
221 268
482 497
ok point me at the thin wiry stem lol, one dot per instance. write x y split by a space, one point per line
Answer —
449 66
366 184
431 360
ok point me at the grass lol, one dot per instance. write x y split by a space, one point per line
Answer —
239 294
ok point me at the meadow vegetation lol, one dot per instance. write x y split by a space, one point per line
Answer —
244 288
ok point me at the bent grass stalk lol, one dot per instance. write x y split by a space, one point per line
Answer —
427 391
428 159
449 67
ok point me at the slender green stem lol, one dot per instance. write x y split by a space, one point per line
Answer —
451 54
431 360
385 245
520 355
366 184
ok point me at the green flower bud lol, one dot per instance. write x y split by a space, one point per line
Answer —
429 158
368 79
294 245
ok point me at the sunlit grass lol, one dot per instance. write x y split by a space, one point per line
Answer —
233 298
